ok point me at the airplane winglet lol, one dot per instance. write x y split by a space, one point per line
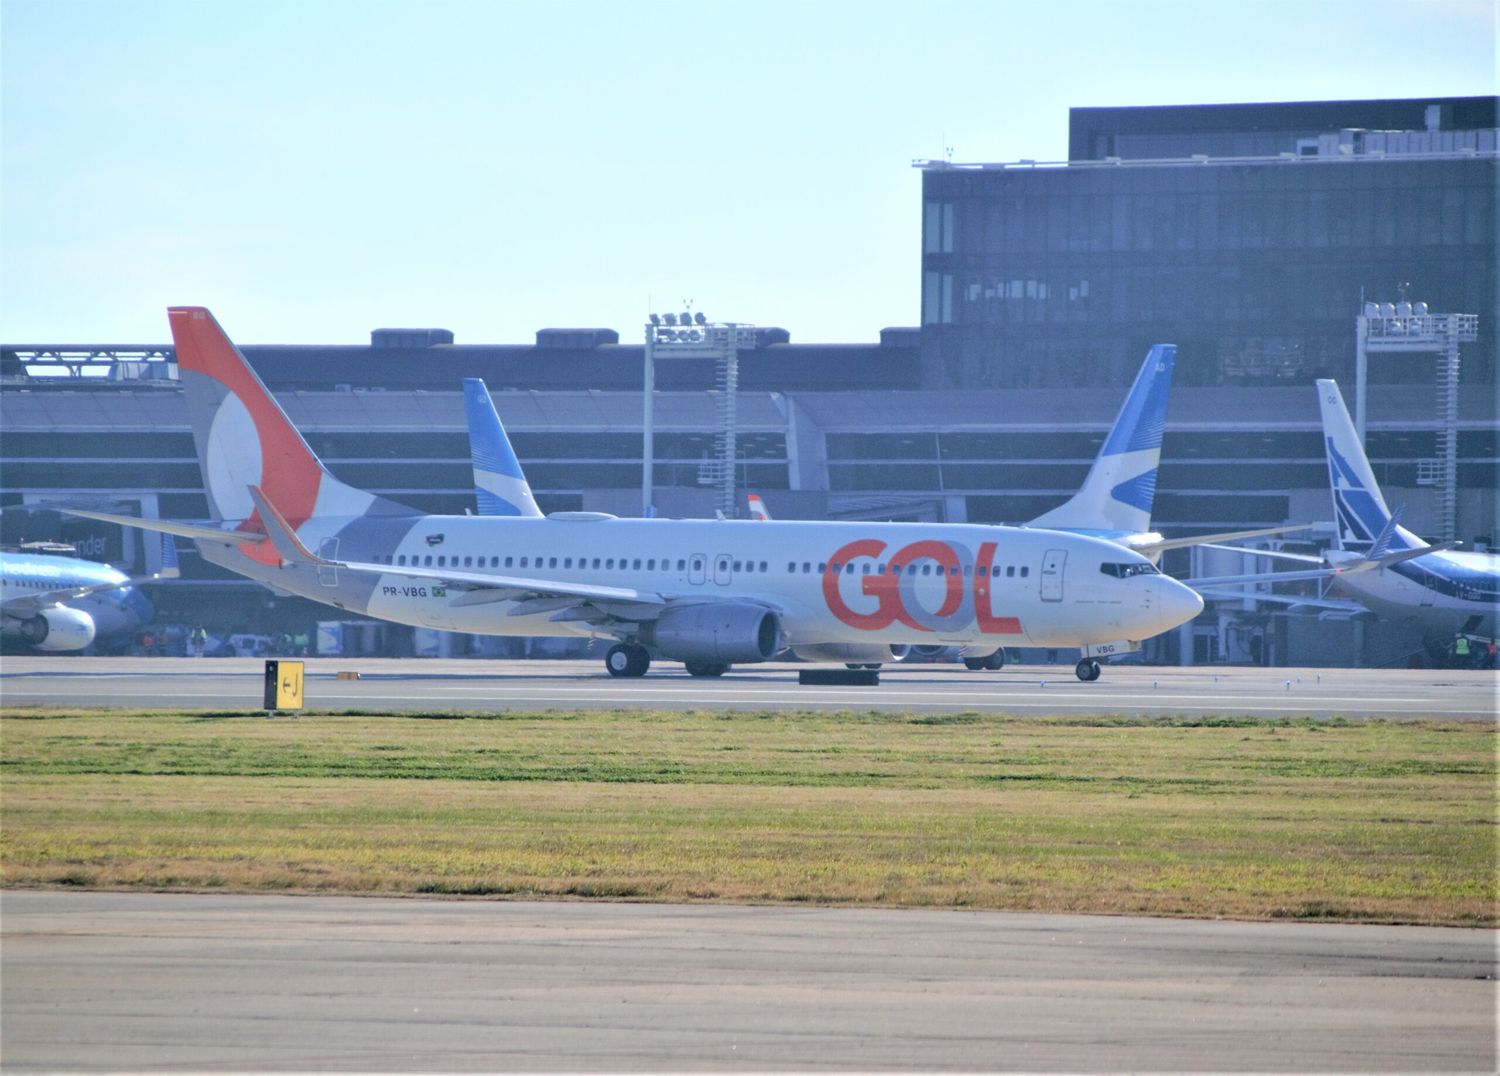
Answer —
1383 541
282 535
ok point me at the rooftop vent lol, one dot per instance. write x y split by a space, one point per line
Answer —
576 339
766 335
410 337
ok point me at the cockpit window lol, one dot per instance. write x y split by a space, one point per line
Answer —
1125 571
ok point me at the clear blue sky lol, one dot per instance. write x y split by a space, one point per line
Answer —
315 169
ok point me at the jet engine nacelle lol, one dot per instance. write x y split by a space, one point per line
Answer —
58 628
734 633
931 652
853 653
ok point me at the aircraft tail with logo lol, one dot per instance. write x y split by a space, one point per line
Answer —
1117 495
244 439
1362 521
500 486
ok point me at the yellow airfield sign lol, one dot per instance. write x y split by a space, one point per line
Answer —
283 685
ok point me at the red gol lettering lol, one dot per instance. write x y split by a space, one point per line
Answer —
886 588
988 622
883 615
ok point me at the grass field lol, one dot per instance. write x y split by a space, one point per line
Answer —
1368 821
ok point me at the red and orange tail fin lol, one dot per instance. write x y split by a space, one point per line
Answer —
244 439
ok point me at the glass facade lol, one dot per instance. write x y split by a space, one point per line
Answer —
1065 275
428 470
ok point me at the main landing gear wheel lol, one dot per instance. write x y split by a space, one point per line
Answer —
993 662
1087 670
627 659
704 668
861 665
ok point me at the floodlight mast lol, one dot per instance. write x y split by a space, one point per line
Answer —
1385 328
693 336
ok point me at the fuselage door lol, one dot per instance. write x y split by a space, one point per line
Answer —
723 569
328 549
1425 591
1052 574
697 569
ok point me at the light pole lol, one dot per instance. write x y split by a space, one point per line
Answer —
693 336
1386 328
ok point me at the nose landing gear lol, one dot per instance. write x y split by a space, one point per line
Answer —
1088 670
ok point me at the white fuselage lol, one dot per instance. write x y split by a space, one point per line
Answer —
893 582
1442 591
36 576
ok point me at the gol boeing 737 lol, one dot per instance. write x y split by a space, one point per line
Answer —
704 592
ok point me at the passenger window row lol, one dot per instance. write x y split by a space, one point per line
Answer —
924 568
442 560
665 564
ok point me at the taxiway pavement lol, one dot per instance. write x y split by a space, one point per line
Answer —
125 981
481 685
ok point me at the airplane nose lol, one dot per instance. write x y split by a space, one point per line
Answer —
1176 603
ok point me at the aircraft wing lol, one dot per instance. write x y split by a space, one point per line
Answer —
1148 549
1269 554
1261 577
1293 600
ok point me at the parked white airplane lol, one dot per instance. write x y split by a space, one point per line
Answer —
1116 497
57 603
1385 567
706 593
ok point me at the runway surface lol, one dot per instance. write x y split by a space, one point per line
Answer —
96 981
477 685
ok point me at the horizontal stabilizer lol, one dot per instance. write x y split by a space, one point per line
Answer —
198 531
1399 556
283 537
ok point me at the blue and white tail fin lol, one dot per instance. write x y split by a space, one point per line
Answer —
500 488
1118 493
1362 522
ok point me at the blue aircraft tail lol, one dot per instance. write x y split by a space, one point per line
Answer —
500 488
1117 495
1362 521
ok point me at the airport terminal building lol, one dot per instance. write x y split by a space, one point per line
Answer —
1249 235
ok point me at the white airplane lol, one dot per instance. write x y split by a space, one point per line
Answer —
1115 499
1386 568
706 593
57 603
